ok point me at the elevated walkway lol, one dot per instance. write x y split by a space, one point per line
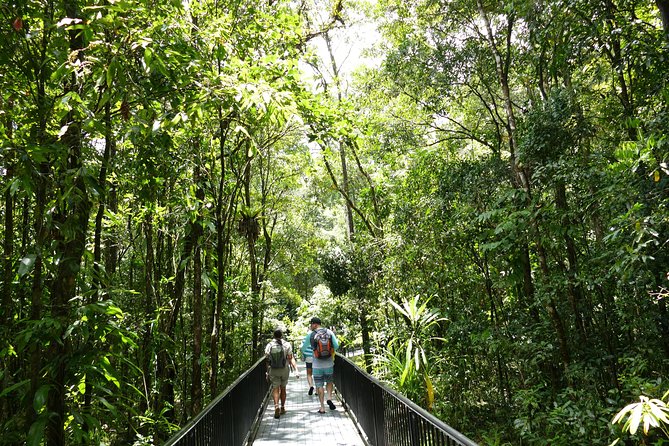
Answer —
302 425
242 416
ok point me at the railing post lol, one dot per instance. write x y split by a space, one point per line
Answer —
379 417
414 428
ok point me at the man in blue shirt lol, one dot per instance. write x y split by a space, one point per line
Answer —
323 343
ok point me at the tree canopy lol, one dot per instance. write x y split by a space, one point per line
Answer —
482 209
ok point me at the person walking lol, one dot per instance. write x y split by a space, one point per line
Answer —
324 343
308 356
280 361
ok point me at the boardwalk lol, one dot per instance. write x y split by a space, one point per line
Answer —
302 425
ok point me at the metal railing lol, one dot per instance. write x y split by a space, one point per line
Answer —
228 419
388 418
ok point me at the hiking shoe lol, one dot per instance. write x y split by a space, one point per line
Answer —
331 405
283 410
277 412
311 391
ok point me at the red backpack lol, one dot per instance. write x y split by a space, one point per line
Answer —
321 343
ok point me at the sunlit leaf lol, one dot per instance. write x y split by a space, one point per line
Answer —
635 418
26 264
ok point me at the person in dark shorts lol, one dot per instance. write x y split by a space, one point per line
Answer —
308 356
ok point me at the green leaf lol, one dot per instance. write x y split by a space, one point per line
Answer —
148 58
109 406
658 409
41 396
635 418
26 264
36 431
109 372
13 387
113 310
398 308
82 385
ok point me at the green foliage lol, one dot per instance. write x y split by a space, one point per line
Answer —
398 369
405 361
581 238
573 417
336 270
553 130
420 321
648 412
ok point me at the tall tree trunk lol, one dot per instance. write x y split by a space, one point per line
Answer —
196 389
111 248
23 293
98 272
342 149
166 372
574 290
250 229
378 227
36 313
37 289
8 249
102 205
552 310
70 235
267 225
6 325
72 220
267 258
521 178
345 181
663 6
614 50
34 350
215 335
218 322
146 346
366 340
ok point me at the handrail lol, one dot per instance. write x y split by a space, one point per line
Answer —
387 417
229 417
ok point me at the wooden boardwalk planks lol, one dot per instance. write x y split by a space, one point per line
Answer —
302 425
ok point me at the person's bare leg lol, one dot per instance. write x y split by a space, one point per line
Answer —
321 397
330 403
283 399
275 395
310 377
